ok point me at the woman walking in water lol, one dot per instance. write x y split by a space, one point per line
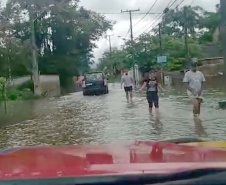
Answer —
152 86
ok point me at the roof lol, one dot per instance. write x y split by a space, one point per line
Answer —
214 58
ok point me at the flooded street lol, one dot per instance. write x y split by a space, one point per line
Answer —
74 119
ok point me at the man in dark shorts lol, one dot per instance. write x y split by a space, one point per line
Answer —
128 82
152 86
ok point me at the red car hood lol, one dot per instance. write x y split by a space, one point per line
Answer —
134 158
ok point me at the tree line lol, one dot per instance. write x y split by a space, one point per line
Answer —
65 37
201 26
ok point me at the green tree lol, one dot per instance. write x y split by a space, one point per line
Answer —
117 59
174 21
65 33
14 57
201 24
145 51
210 22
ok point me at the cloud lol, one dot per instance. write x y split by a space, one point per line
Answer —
122 25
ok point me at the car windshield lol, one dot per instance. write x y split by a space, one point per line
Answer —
96 76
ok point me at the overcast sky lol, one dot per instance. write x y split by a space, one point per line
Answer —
122 25
122 20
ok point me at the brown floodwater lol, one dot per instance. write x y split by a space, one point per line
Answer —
74 119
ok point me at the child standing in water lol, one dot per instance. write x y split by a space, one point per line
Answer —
152 86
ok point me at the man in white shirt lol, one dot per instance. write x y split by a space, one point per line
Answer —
128 82
194 80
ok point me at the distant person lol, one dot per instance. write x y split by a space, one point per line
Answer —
194 80
128 82
152 86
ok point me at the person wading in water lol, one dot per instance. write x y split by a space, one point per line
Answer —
152 86
194 81
128 82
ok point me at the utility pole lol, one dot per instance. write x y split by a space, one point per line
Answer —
160 47
110 49
223 31
131 35
186 37
131 21
160 38
109 39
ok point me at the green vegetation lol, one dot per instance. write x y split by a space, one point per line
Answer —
22 92
65 37
145 49
66 34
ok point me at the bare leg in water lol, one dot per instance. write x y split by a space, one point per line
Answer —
131 96
150 111
157 125
127 96
199 129
150 108
157 112
197 107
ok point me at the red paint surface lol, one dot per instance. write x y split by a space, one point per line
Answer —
135 158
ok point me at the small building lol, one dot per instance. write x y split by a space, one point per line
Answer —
214 60
212 66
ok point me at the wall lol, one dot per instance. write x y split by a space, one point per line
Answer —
212 69
50 85
19 81
216 60
212 66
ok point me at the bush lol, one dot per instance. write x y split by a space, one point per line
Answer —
15 94
27 94
12 96
27 85
175 65
176 68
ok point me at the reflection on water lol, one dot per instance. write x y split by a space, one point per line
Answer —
157 124
199 129
74 119
18 111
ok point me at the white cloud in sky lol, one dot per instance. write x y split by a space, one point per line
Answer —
122 25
